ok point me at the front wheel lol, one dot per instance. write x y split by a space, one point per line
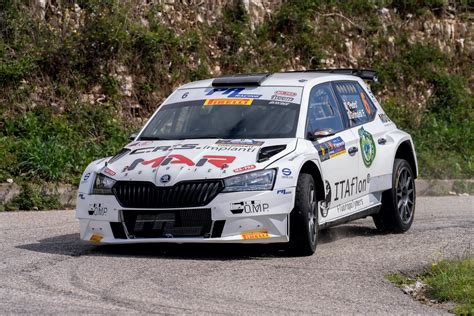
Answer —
304 218
398 203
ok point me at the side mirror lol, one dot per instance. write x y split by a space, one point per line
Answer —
132 136
320 133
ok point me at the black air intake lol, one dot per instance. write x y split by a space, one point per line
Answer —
168 223
134 194
266 153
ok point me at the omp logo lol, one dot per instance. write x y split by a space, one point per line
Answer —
249 207
97 209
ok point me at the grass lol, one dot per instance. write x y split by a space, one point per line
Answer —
452 280
448 281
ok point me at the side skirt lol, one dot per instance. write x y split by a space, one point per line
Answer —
352 217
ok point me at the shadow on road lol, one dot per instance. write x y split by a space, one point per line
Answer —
70 245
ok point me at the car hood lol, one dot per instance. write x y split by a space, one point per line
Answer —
168 162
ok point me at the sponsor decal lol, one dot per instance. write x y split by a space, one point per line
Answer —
208 102
367 145
233 93
230 148
245 168
286 172
86 177
348 187
371 96
221 162
325 204
285 93
185 95
164 148
255 235
239 142
97 209
96 237
278 103
109 171
366 104
281 98
283 191
350 206
384 118
249 207
165 178
332 148
352 112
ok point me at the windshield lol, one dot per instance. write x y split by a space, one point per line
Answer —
232 113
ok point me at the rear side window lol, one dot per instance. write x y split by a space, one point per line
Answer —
359 108
323 112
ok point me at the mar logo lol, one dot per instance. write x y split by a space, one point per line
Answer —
367 145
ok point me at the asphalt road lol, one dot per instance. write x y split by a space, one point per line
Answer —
45 269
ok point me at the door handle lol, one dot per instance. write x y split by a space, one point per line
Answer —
382 141
353 150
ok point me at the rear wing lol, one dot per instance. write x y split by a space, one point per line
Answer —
365 74
257 79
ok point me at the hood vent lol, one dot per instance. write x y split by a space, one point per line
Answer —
119 155
266 153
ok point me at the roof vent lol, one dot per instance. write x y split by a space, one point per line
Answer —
240 80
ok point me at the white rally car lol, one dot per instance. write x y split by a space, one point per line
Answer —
266 158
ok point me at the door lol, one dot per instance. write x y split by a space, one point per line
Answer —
361 113
339 161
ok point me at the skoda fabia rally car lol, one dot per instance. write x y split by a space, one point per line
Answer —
266 158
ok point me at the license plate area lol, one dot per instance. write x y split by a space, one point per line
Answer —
173 223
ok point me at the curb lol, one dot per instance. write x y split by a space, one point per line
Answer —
67 192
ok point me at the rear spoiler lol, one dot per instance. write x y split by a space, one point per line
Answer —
365 74
257 79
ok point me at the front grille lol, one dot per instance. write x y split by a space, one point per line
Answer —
185 194
168 223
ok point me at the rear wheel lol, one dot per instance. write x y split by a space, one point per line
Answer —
398 203
304 218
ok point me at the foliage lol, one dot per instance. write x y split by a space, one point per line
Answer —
447 280
30 199
41 145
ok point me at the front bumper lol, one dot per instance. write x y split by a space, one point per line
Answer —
238 217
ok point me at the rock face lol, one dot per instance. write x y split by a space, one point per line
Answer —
352 44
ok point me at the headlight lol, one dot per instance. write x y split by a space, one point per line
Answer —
252 181
103 184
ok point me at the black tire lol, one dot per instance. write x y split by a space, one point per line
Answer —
304 218
398 204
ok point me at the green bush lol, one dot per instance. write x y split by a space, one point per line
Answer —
43 146
30 199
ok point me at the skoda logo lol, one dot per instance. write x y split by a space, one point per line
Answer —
165 178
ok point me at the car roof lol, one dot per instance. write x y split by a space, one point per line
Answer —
296 79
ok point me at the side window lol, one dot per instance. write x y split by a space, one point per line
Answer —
323 112
359 108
